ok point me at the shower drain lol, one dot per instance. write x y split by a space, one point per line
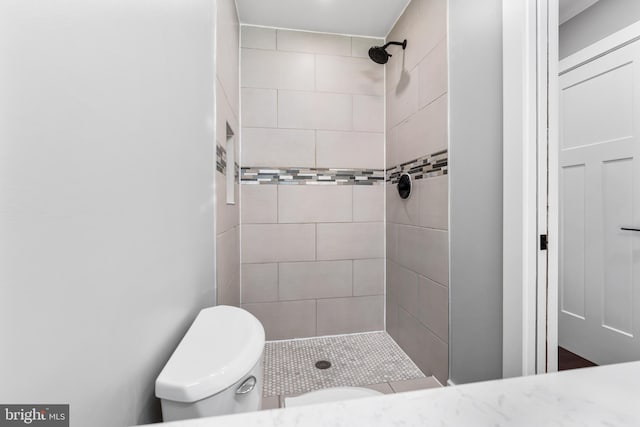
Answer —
323 364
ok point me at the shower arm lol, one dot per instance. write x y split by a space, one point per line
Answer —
403 44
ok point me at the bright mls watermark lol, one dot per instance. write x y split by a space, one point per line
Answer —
34 415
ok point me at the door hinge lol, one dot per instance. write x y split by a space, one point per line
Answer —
544 242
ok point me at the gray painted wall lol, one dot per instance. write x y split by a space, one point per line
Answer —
475 72
106 198
597 22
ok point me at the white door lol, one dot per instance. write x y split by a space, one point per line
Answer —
599 288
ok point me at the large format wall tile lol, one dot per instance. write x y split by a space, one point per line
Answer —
403 284
402 100
368 203
348 75
433 307
228 268
312 163
312 280
258 37
368 277
350 150
278 147
349 315
259 204
424 133
259 282
433 77
417 142
277 70
302 41
434 202
315 203
368 113
259 108
314 110
425 251
287 319
278 242
350 241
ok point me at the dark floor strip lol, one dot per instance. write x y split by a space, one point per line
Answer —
568 360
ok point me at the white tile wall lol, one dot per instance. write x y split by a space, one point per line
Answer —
433 307
349 315
403 99
314 110
368 277
368 203
258 37
350 150
278 147
259 204
350 241
259 108
343 74
328 112
425 132
434 202
433 77
286 319
313 280
228 267
417 236
263 243
403 283
301 41
315 203
368 113
424 251
277 70
259 282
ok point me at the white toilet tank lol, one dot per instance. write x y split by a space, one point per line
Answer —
217 367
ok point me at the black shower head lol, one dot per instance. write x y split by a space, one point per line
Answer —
380 55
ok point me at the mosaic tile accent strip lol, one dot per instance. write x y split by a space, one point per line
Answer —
311 176
435 164
221 162
357 360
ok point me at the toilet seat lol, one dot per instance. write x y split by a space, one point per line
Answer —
326 395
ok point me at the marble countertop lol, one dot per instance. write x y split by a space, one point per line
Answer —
601 396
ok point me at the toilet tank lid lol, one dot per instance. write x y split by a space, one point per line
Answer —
222 345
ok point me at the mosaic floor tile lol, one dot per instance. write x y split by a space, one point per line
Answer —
356 360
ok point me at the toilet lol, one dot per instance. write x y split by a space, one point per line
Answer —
217 370
217 367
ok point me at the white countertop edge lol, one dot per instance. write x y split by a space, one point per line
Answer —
601 396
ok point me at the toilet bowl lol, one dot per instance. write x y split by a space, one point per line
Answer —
327 395
217 367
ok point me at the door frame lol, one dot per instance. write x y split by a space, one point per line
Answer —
531 113
530 35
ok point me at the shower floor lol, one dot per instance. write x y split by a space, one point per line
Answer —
356 360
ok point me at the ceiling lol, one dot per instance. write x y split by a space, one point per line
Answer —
570 8
372 18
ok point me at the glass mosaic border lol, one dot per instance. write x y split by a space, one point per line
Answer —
435 164
311 176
